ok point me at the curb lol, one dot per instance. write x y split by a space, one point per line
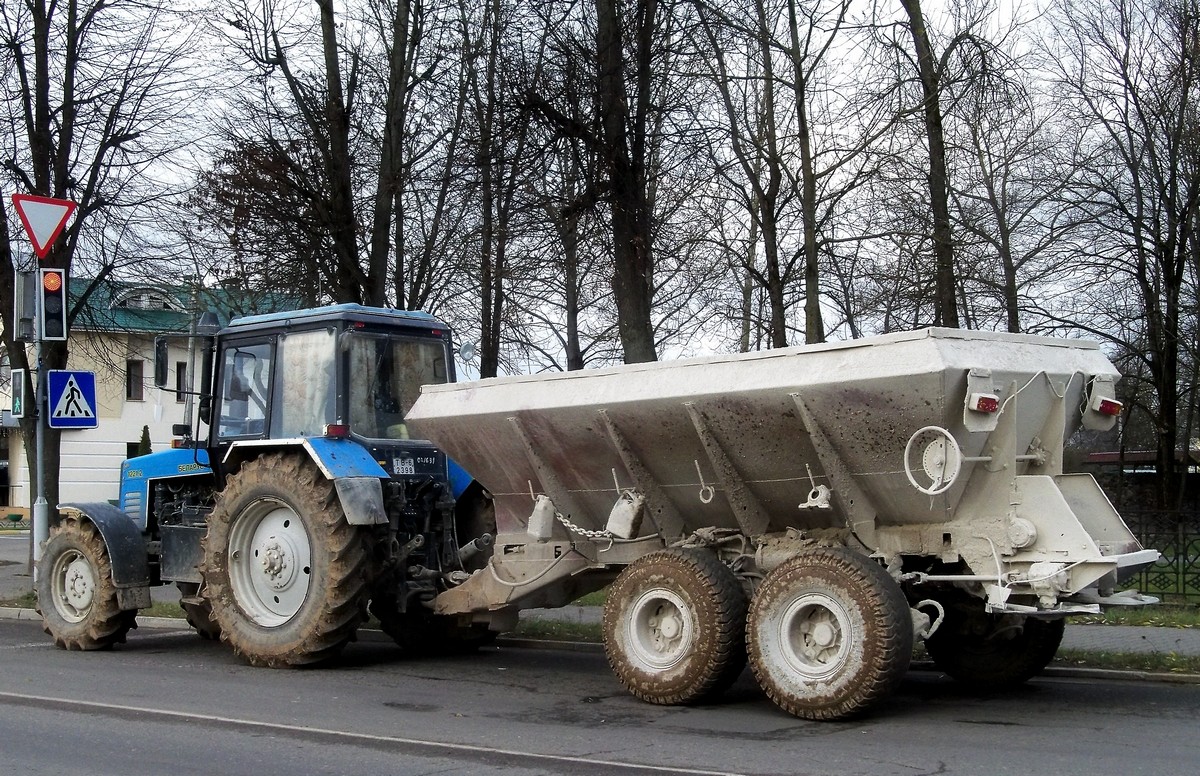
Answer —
518 642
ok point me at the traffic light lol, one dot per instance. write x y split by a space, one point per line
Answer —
54 304
18 393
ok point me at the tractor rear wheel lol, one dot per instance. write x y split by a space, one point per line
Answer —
76 594
422 633
829 634
285 574
674 627
198 611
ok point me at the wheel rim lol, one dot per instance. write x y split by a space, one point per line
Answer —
814 634
269 562
661 629
74 586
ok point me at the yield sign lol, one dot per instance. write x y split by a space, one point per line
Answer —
44 219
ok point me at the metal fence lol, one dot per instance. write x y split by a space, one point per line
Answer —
1176 576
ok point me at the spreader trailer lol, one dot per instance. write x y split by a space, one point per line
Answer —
813 510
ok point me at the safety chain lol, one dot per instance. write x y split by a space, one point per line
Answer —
584 532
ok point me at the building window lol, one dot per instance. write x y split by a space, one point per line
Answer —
134 371
181 382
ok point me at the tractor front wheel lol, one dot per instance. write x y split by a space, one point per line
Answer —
76 594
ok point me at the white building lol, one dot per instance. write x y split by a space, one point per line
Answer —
114 337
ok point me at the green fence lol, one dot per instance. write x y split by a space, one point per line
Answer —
1176 535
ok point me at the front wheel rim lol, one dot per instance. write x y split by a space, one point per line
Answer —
661 629
270 562
74 586
814 634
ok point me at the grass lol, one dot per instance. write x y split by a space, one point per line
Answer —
1155 662
1163 616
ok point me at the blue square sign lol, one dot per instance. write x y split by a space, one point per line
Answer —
72 399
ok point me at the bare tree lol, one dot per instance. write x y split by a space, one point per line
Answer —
1131 69
95 105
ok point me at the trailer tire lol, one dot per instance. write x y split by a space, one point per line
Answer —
829 634
284 572
991 653
674 627
198 611
76 594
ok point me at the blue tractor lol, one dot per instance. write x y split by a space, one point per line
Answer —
296 500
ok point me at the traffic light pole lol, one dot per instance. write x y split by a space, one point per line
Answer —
41 511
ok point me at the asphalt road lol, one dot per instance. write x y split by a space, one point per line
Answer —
168 702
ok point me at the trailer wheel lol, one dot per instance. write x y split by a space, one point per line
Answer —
674 627
198 611
76 594
285 574
829 634
989 653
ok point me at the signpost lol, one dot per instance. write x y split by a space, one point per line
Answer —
44 219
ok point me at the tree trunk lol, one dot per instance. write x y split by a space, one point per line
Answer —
633 273
389 180
945 302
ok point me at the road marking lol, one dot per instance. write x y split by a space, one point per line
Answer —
31 645
364 738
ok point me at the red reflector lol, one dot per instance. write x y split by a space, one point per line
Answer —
337 431
984 402
1110 407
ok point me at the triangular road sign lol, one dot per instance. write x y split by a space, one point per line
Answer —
73 403
43 218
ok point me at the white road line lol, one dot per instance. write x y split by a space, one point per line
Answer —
365 738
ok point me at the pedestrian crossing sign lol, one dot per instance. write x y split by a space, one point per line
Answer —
72 399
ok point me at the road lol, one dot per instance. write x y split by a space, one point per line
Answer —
168 702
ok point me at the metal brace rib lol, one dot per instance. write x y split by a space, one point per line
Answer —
551 485
659 509
750 515
856 506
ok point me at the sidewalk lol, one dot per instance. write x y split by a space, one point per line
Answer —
15 582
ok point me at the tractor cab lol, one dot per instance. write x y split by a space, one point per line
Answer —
345 371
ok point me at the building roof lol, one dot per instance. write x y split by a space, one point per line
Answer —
121 306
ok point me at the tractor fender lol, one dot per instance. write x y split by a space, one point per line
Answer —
126 550
357 476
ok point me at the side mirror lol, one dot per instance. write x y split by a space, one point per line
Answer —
160 362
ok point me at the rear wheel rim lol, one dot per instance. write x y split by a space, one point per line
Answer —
270 562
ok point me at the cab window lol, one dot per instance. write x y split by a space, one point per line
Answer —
245 388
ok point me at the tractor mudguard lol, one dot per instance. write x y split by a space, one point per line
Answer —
126 551
357 476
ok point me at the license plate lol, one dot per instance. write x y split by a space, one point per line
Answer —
403 466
